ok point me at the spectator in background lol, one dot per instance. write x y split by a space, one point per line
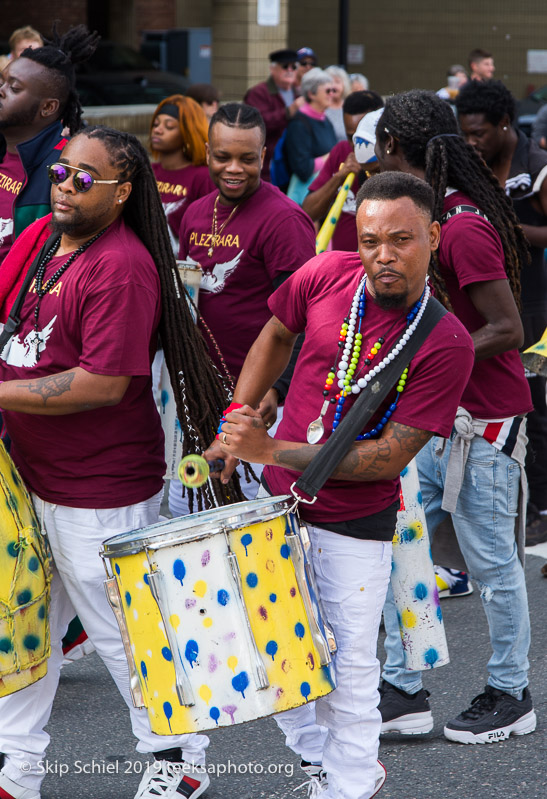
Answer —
310 135
20 40
358 82
306 60
456 78
277 100
178 140
539 127
481 65
340 162
207 96
340 81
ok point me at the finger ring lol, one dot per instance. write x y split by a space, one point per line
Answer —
224 438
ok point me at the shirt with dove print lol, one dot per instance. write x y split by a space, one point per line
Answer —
267 235
178 188
102 315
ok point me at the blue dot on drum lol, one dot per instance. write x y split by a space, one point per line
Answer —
168 710
305 690
439 613
145 578
34 564
420 592
246 541
31 641
128 599
271 649
167 654
191 652
299 630
419 498
407 535
431 656
144 670
12 549
164 399
117 569
215 714
285 552
252 580
223 597
24 596
241 682
42 612
273 597
5 645
179 570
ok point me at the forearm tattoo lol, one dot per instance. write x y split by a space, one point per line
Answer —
51 386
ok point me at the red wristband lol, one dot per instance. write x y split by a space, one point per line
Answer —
233 406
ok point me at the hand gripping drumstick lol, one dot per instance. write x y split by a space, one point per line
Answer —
194 470
328 226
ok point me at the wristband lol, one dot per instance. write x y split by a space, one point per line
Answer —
233 406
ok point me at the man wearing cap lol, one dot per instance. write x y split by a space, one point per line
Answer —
306 60
276 99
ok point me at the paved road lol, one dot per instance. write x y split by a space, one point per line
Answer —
90 729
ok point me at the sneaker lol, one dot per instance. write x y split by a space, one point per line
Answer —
318 783
492 717
408 714
169 780
11 790
76 647
451 582
381 775
536 526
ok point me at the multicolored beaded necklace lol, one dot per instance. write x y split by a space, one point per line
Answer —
347 374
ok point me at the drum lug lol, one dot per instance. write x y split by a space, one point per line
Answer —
260 671
182 684
302 576
115 601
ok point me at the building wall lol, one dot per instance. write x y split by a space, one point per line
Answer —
16 13
410 45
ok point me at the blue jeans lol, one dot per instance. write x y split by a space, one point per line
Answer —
484 523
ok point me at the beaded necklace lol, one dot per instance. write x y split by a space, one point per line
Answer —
42 290
347 374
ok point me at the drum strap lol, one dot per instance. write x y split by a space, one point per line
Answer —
14 320
367 403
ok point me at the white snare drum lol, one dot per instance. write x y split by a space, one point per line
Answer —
220 617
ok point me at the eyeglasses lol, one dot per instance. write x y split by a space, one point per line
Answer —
331 91
82 180
293 67
307 63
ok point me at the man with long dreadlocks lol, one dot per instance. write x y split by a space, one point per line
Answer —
477 475
78 405
37 100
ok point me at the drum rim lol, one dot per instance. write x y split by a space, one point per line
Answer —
270 508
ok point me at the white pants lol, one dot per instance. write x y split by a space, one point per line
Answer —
341 730
77 589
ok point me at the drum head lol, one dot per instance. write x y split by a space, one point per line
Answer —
197 525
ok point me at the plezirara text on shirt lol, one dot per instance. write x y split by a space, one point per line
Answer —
171 188
205 240
9 184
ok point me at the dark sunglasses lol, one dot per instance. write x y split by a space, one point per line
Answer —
294 67
307 63
82 180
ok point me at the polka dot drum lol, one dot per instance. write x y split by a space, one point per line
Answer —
25 577
413 581
221 617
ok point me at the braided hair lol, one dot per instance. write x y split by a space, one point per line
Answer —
59 55
201 392
427 132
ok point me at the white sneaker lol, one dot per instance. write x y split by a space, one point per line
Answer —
316 785
318 782
166 779
11 790
381 775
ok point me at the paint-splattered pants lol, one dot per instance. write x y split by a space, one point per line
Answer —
75 535
484 523
341 730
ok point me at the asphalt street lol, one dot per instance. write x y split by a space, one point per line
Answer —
92 749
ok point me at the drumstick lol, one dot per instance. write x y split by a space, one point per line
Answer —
194 470
329 225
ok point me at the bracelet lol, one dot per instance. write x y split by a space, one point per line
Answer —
233 406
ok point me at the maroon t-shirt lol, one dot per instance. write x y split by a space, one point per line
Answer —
345 232
267 235
315 300
471 251
102 316
12 177
178 188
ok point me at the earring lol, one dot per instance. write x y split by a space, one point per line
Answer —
505 127
388 151
119 201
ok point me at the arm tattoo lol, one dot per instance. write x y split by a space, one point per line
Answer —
51 386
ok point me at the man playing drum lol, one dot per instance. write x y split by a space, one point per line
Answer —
366 302
87 439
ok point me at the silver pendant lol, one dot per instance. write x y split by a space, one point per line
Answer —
316 429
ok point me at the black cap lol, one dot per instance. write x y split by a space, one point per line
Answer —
284 56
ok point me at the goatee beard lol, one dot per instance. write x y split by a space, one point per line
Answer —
389 302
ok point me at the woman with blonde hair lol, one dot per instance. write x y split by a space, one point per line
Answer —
342 87
178 135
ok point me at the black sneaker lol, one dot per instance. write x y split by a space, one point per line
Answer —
536 526
408 714
492 717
